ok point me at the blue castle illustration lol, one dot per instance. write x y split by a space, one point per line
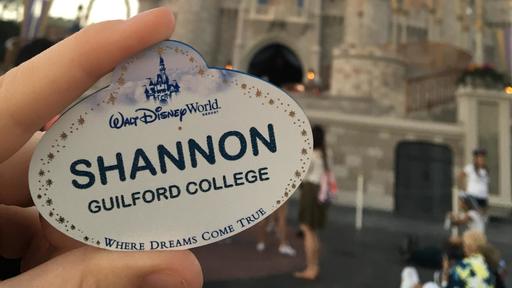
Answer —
161 89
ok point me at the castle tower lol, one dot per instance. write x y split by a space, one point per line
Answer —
365 66
196 21
198 26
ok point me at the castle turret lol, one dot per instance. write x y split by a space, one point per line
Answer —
363 65
198 26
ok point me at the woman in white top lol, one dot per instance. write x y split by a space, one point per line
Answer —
474 180
312 213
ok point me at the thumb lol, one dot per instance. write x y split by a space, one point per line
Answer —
93 267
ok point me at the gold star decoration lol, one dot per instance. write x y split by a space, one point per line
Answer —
200 72
304 132
121 81
271 102
297 174
61 219
51 214
63 136
160 50
304 151
293 185
50 156
176 50
81 120
291 114
258 91
72 227
112 99
49 202
49 182
244 86
191 59
41 173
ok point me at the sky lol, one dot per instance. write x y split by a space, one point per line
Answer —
101 10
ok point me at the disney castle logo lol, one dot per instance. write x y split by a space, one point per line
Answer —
161 89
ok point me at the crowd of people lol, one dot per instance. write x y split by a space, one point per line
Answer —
467 260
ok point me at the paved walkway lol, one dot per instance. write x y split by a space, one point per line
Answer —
368 258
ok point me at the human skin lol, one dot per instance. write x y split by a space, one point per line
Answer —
32 94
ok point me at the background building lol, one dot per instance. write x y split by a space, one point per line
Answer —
387 74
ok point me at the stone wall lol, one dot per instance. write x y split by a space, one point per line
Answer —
367 145
370 72
226 40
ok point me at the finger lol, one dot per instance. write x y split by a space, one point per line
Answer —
40 88
14 175
17 229
48 243
93 267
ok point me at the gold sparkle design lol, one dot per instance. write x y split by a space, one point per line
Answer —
291 114
49 202
161 50
304 151
61 220
121 81
258 91
63 136
80 120
49 182
297 174
271 102
244 86
191 59
50 156
41 173
201 72
112 99
304 132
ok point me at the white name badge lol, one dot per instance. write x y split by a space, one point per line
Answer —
172 155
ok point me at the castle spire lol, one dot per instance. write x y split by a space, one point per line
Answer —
162 65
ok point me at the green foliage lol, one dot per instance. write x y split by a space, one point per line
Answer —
483 76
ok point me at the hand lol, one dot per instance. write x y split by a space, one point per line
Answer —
32 94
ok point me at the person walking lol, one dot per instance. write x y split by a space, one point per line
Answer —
312 212
277 218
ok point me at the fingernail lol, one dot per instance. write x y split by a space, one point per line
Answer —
162 280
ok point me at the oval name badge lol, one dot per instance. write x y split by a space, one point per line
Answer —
172 155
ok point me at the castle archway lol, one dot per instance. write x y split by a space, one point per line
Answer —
277 64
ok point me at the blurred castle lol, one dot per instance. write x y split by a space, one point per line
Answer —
386 72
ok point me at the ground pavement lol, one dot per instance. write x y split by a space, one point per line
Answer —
350 258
